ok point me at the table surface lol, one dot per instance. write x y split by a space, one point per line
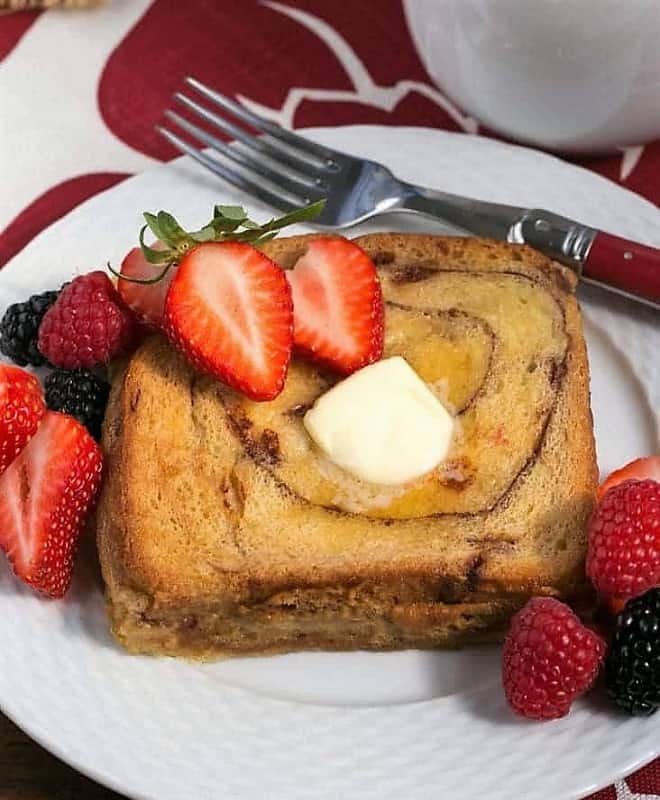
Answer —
83 96
27 772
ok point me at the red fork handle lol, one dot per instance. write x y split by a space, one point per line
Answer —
627 267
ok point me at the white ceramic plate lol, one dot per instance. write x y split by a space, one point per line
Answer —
355 725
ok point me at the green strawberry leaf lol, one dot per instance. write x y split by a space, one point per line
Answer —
225 224
229 223
154 256
206 234
172 233
266 237
145 281
297 215
237 213
154 226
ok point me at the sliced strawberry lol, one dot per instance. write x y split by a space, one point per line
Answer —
338 305
229 311
638 470
45 495
21 408
146 300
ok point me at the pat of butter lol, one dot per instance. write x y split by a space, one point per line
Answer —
382 424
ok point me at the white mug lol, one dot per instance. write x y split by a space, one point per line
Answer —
574 75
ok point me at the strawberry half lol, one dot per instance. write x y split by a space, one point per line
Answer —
229 311
338 305
638 470
21 408
146 300
45 495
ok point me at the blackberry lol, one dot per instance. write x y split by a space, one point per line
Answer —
19 329
80 393
632 666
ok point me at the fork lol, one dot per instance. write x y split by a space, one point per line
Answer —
286 171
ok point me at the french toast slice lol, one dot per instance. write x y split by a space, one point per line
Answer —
221 529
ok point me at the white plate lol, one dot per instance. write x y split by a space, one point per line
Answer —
355 725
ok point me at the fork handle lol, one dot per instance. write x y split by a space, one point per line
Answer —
610 262
599 258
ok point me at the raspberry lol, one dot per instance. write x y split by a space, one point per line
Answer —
549 659
87 325
623 557
79 393
632 666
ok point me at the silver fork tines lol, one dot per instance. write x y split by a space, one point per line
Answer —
294 182
230 175
275 165
295 169
324 155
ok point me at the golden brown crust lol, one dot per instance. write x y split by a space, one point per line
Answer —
200 512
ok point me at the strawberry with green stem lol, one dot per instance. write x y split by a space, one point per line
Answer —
218 298
147 271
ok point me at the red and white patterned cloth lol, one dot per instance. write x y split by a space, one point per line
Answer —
80 93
